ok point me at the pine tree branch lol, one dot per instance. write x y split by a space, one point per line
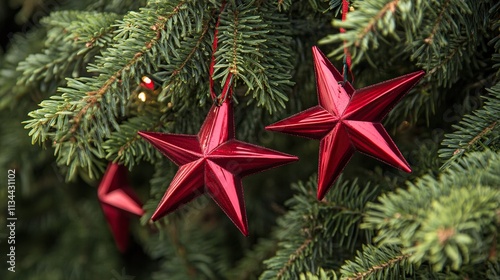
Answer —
234 65
474 140
99 102
65 53
319 229
97 94
127 147
454 53
450 221
91 42
248 41
437 23
251 265
376 268
21 47
378 262
475 130
132 141
200 40
181 251
293 257
370 27
344 209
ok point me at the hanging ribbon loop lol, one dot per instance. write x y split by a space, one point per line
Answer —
227 89
347 55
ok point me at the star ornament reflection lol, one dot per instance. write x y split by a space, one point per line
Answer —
213 162
348 120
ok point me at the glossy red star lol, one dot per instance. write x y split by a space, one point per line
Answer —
213 162
118 201
348 120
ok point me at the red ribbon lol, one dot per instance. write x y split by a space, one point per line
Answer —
226 90
347 54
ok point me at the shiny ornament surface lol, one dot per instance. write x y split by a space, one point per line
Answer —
212 162
348 120
118 200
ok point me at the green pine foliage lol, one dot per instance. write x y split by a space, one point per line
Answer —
69 104
73 39
186 251
476 131
250 34
446 221
326 231
384 262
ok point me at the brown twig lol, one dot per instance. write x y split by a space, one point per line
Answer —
391 6
429 39
293 257
373 269
476 139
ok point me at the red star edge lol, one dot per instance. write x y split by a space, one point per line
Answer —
212 161
348 120
118 201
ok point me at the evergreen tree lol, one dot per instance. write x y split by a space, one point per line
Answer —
70 103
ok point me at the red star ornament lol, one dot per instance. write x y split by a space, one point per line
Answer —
118 201
348 120
213 162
